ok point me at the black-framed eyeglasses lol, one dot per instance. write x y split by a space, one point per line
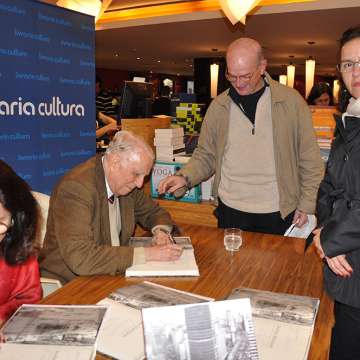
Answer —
348 66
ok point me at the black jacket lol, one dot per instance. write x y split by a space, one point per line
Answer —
338 210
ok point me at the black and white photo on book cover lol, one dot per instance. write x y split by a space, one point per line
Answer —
211 331
147 294
54 325
279 306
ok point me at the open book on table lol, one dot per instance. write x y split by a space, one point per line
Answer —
146 241
283 323
184 266
121 336
52 332
212 330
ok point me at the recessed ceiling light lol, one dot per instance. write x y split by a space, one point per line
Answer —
190 65
138 58
158 61
116 55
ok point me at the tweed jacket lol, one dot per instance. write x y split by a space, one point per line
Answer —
78 238
298 165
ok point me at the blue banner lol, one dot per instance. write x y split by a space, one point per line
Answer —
47 90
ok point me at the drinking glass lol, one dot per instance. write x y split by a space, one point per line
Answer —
232 239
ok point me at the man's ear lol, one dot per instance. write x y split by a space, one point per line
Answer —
263 64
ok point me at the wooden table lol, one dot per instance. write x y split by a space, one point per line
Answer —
265 262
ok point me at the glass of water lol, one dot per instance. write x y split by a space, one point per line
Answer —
232 239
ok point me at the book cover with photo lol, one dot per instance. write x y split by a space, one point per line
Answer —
122 335
60 331
212 330
283 323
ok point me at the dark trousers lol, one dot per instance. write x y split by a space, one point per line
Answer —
269 223
345 336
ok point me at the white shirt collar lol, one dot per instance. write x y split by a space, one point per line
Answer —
108 190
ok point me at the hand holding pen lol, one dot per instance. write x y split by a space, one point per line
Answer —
163 237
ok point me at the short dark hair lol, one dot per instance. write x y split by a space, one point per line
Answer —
16 197
317 90
349 34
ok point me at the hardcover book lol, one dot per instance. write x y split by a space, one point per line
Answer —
121 336
212 330
51 332
283 323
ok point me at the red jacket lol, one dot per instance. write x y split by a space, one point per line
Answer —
19 284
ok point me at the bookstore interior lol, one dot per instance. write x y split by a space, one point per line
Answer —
230 294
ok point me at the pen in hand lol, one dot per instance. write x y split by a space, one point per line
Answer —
171 238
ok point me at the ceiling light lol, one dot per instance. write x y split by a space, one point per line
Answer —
309 75
290 75
214 75
138 58
89 7
309 72
158 61
116 55
236 10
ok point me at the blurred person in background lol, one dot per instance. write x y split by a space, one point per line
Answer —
321 95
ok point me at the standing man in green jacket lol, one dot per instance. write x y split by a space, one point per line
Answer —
258 139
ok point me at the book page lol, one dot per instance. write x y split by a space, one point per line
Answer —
121 335
304 231
184 266
45 352
282 341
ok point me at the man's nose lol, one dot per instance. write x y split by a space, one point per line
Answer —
356 68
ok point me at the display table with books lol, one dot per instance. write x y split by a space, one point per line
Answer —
264 262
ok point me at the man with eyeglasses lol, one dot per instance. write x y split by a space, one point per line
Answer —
93 212
257 137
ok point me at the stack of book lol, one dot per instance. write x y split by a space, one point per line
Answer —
168 143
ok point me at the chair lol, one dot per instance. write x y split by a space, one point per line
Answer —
48 285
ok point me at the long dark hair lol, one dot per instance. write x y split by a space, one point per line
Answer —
348 35
16 197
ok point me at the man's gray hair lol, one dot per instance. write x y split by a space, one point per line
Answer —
126 141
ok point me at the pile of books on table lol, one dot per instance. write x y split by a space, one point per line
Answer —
169 143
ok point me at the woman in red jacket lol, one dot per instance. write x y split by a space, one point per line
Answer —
19 272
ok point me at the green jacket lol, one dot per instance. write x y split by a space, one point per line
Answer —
299 167
78 239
